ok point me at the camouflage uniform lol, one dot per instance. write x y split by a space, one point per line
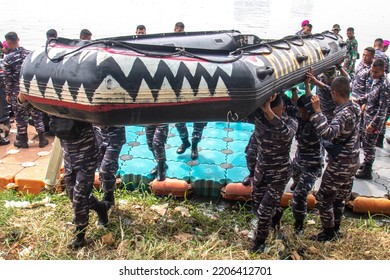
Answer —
326 102
251 148
156 137
12 66
377 102
362 82
351 56
273 167
110 141
337 179
80 162
384 57
196 134
306 166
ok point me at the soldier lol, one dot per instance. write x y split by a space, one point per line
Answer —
336 30
196 137
352 52
376 104
378 46
307 161
274 133
110 140
85 35
361 84
12 66
81 155
323 89
343 150
156 137
251 148
140 30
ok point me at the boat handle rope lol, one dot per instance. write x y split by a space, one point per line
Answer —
231 116
178 52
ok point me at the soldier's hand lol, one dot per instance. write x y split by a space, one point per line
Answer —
8 99
315 101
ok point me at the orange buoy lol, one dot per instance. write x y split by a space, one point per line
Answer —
371 205
286 200
237 191
169 186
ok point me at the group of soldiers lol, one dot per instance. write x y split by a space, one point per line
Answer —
329 121
333 120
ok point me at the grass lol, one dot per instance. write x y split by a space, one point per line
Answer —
143 226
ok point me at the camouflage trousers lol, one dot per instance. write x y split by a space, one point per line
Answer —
80 162
196 133
22 115
268 187
335 188
156 137
109 150
305 178
251 153
369 147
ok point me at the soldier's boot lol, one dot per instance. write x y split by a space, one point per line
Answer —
3 141
161 170
21 141
42 140
337 231
79 240
153 172
109 198
275 222
379 142
327 234
365 173
194 150
101 209
184 146
248 179
258 246
299 227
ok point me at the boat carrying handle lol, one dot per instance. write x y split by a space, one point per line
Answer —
263 72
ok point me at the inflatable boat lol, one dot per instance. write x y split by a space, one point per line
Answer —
170 77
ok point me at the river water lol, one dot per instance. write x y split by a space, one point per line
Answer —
271 19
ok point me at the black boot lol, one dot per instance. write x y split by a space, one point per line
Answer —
327 234
379 142
21 141
109 198
258 246
275 223
101 209
3 141
79 240
298 227
42 140
194 151
365 173
153 172
248 179
184 146
337 231
161 170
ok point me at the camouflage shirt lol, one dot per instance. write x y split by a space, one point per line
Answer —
352 52
361 82
12 66
382 55
377 102
274 138
344 129
326 102
308 151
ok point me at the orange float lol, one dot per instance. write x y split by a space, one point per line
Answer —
237 191
371 205
286 200
175 187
